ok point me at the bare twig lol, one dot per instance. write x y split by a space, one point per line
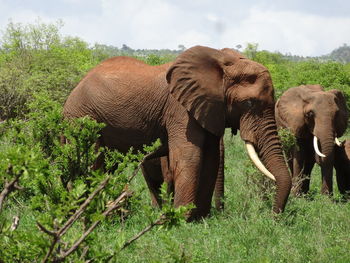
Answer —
134 173
115 204
82 208
57 234
83 254
49 252
159 221
43 229
10 187
145 158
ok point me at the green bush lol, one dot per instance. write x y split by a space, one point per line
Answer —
59 189
48 182
37 58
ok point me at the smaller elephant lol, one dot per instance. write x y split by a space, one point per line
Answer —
342 167
316 118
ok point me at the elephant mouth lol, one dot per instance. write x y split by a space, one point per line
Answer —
256 160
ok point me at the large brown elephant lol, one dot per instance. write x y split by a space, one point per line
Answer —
316 118
187 104
342 167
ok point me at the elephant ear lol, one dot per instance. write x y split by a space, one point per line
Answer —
343 114
196 81
289 110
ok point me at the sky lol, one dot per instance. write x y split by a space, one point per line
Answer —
298 27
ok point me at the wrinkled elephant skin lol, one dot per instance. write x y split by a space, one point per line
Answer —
187 104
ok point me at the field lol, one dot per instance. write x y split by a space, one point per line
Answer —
35 78
313 229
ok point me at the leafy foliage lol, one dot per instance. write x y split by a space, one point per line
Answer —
288 140
46 167
61 191
36 58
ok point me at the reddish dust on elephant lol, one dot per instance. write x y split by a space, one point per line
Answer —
187 104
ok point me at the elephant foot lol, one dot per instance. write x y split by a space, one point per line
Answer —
195 215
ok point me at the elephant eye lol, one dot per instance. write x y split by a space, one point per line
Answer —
248 103
310 114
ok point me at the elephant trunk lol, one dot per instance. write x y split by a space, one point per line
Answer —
325 140
269 149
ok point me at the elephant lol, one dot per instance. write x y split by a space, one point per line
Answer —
342 167
187 104
316 118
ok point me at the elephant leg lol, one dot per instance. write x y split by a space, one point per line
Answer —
305 184
194 165
185 164
209 174
152 172
343 180
303 162
289 157
342 168
99 162
220 180
167 175
327 179
346 178
298 175
342 183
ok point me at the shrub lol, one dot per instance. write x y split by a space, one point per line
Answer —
59 189
37 58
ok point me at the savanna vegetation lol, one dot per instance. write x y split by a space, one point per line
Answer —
54 207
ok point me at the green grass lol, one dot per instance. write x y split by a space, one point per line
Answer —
311 230
314 229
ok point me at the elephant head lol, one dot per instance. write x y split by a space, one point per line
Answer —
222 88
308 111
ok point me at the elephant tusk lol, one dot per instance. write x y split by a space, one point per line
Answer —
256 160
337 142
316 148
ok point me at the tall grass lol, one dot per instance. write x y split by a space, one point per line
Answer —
313 229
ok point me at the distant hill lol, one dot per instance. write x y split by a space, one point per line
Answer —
340 54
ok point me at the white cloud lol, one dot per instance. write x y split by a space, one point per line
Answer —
166 24
192 38
294 32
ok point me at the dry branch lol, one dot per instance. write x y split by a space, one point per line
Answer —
82 208
115 204
111 207
10 187
159 221
145 158
57 234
